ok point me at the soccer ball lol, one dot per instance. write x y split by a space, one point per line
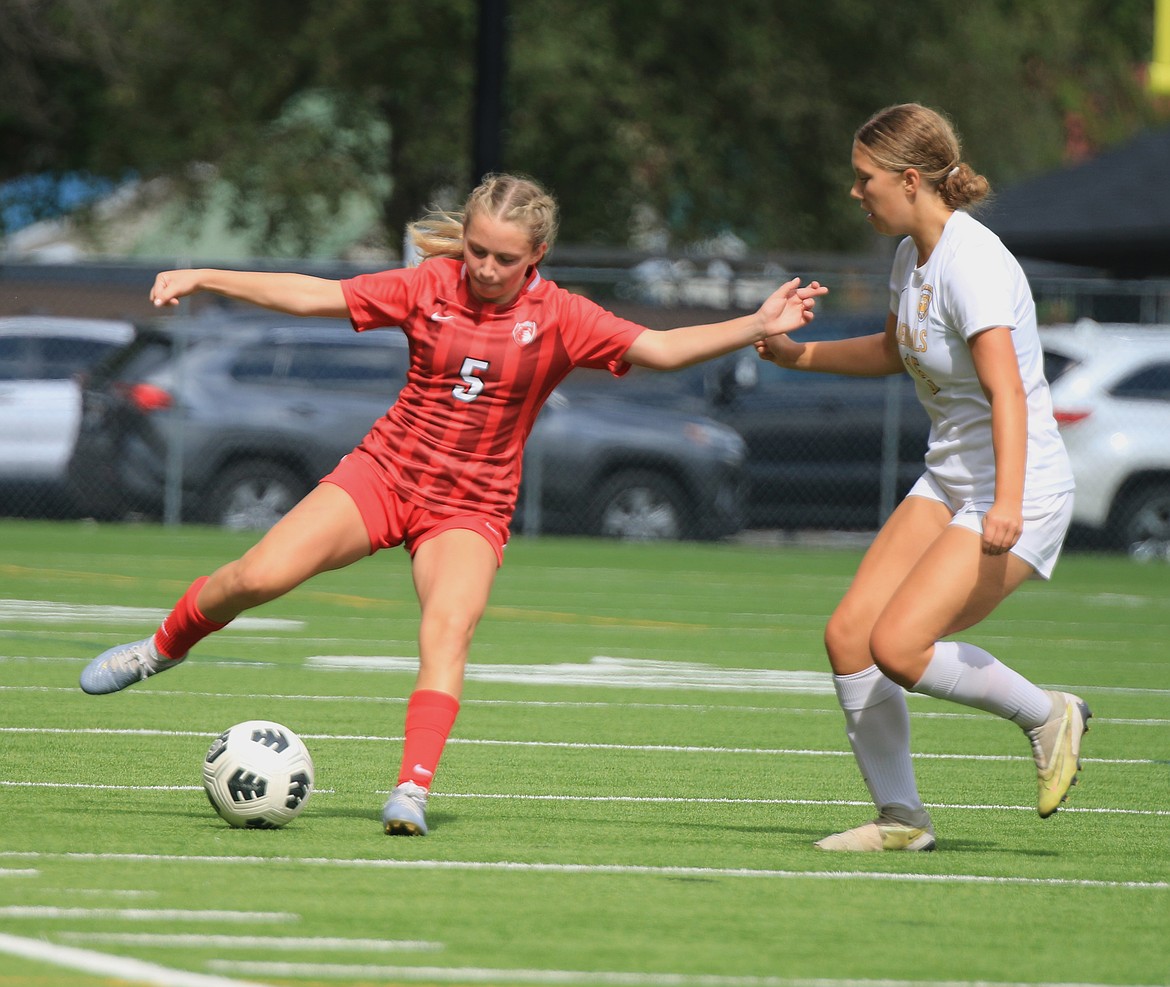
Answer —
258 775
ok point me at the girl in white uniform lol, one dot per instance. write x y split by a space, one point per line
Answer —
993 506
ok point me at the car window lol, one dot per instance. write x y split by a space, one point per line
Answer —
16 358
1056 365
324 365
1151 383
134 362
328 365
63 356
255 365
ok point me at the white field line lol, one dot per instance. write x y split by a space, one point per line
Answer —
358 863
147 914
582 704
283 943
570 745
605 672
560 745
119 968
634 799
681 800
611 978
50 612
608 672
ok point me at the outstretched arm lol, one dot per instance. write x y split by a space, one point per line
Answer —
874 355
295 294
787 308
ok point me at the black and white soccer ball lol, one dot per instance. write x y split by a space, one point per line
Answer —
258 775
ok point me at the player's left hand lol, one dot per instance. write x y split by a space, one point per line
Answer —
790 306
170 286
1002 528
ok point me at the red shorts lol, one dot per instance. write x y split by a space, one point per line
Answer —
391 521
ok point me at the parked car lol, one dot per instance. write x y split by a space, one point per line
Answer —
40 403
823 451
245 412
1111 394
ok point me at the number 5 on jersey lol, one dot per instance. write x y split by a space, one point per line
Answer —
472 384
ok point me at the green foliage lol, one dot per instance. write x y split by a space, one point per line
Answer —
693 120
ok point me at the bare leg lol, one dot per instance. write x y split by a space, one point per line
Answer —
453 575
324 531
877 721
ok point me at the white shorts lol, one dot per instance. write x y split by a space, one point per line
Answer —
1046 521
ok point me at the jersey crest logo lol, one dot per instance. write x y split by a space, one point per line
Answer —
524 333
924 298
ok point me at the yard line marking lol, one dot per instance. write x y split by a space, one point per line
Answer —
322 943
684 800
48 611
608 978
587 869
17 872
146 914
832 710
602 670
649 799
100 892
95 786
567 745
118 967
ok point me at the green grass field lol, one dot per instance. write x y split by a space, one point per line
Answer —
648 746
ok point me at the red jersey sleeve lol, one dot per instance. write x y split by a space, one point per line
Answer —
594 336
379 300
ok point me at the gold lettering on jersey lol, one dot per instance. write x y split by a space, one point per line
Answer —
912 339
915 368
524 333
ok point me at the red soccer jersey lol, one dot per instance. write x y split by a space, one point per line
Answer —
479 374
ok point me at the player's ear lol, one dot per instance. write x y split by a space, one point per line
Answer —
538 253
911 181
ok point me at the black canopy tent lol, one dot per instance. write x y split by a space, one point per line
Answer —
1111 213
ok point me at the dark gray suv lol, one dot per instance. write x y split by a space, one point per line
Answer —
230 418
824 451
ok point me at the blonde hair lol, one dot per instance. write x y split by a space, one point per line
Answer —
511 198
910 135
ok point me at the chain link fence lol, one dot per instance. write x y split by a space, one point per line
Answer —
227 416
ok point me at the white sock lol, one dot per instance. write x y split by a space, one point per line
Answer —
877 723
964 673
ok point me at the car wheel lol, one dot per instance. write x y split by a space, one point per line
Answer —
639 505
253 495
1143 521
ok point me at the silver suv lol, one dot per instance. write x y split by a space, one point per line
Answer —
230 418
1111 394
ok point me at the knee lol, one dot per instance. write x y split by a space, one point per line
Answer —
247 582
448 627
846 639
894 652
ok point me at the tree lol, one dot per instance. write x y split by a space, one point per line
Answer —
687 120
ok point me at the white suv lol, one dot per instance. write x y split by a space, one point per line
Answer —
40 401
1111 394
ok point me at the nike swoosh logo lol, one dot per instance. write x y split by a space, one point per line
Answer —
436 317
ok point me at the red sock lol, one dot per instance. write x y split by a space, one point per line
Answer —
185 626
429 717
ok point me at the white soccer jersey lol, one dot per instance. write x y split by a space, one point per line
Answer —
970 283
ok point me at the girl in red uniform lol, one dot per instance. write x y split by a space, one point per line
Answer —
489 340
